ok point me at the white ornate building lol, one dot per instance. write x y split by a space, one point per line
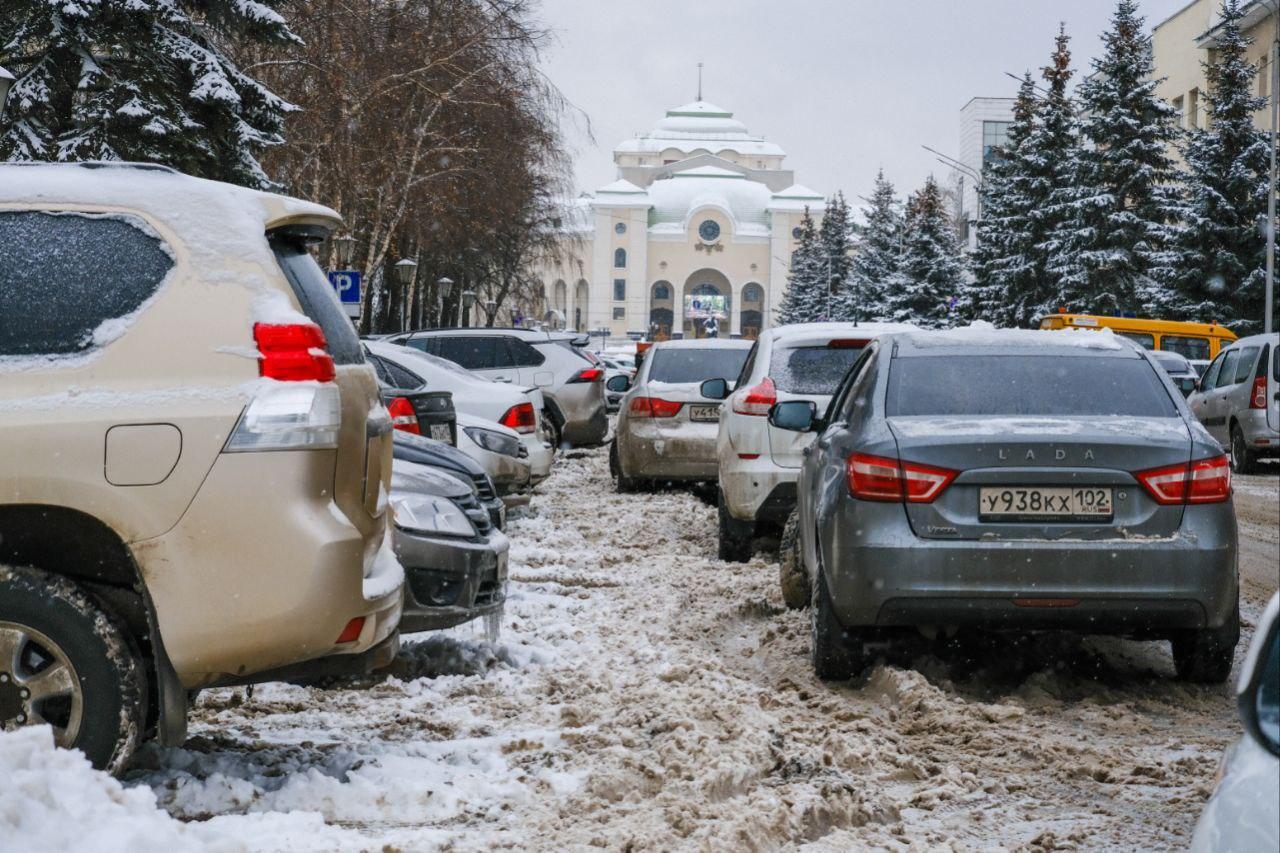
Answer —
701 220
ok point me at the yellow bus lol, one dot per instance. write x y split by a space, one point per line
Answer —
1197 342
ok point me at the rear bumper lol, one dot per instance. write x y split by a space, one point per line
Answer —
540 459
332 666
880 573
756 489
586 422
687 452
1258 434
467 578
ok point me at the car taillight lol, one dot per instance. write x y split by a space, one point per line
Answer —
757 400
520 418
880 478
1258 397
403 417
847 343
1205 481
292 352
289 417
588 374
653 407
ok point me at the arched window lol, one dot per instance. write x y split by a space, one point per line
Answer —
706 289
661 291
751 293
620 258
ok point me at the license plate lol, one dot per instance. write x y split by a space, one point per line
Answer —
1019 503
704 413
441 432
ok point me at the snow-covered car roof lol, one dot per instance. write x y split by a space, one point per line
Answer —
704 343
984 337
798 331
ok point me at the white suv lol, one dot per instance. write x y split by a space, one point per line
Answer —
759 464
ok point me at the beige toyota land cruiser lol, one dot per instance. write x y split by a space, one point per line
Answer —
194 462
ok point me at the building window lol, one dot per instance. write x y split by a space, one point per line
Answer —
620 258
751 293
795 233
995 136
1193 108
661 291
709 230
619 289
619 313
620 228
1264 77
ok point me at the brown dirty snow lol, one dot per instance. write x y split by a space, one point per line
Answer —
671 706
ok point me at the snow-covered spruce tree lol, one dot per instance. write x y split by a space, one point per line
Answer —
931 277
143 80
1114 250
875 255
1220 271
800 299
836 238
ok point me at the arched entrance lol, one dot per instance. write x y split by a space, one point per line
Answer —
580 298
707 294
751 319
661 310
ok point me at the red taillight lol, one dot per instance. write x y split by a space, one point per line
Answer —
757 400
588 374
1258 397
520 418
1205 481
293 352
351 633
653 407
880 478
847 343
403 416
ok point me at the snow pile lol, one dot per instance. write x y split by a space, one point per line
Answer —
983 334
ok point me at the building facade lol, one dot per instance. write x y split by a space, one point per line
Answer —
700 224
984 127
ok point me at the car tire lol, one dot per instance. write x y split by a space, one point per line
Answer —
735 535
552 430
621 482
1205 656
795 584
834 653
49 625
1243 460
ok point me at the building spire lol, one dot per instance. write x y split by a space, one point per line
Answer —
699 82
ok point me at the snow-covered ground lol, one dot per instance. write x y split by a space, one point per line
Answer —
645 695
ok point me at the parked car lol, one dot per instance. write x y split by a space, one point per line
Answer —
1019 480
413 407
1243 815
451 460
455 561
194 457
1180 370
515 407
571 382
667 427
616 376
1238 400
759 464
501 453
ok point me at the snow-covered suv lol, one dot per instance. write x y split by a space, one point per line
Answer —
194 460
759 463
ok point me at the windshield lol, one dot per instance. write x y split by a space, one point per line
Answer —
813 369
696 365
1026 385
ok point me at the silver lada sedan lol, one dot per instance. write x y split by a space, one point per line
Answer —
1021 480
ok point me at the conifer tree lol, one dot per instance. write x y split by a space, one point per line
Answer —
875 255
1114 251
142 81
931 278
836 238
1222 251
808 269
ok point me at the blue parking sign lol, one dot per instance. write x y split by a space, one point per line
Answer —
347 284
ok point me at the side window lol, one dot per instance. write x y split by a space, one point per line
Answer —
380 368
747 366
1227 375
69 281
473 352
401 378
420 342
1244 367
839 406
1195 349
1210 378
523 355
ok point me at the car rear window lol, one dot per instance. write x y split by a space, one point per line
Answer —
318 301
812 370
1244 367
70 281
1025 385
696 364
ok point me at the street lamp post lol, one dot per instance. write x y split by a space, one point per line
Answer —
468 299
405 270
343 246
491 308
445 284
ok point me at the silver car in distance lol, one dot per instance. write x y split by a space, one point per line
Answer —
666 427
1019 480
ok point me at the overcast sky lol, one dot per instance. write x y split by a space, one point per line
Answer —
844 86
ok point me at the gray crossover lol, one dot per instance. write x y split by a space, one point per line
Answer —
1013 480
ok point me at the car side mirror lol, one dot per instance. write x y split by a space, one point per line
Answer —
618 384
794 415
714 389
1258 696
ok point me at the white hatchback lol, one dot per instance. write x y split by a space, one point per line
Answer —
758 463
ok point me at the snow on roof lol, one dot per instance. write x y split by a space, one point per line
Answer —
984 335
621 187
704 343
818 331
699 126
798 191
676 198
708 172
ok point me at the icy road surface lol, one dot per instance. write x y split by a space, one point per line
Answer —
646 696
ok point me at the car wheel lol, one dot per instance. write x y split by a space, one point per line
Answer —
735 535
1243 460
1205 656
66 663
835 654
621 482
791 574
550 430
